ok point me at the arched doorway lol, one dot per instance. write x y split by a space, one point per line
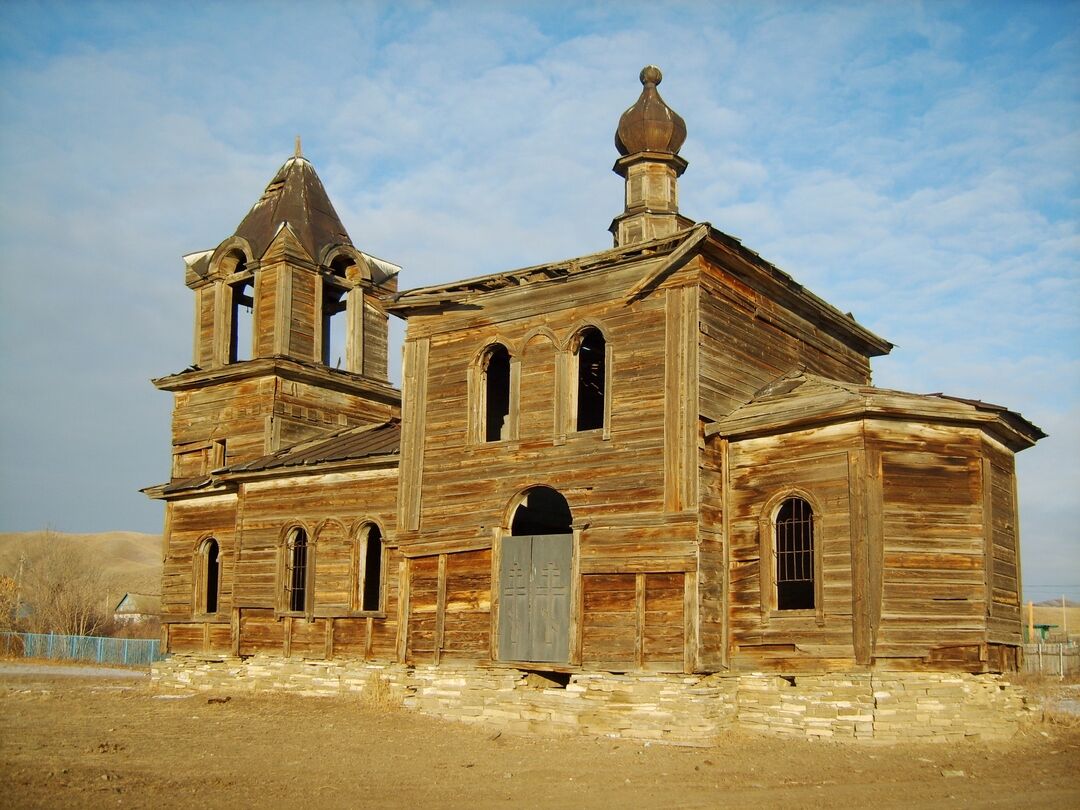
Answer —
535 579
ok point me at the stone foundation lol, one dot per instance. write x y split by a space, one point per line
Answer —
685 709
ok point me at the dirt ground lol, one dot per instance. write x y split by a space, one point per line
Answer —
83 739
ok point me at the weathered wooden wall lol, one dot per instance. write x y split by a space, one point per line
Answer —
814 463
747 341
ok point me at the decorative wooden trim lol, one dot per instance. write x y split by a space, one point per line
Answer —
283 310
403 609
577 599
986 470
680 400
725 535
414 382
875 541
691 623
639 635
860 564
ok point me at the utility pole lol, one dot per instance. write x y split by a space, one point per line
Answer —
1064 618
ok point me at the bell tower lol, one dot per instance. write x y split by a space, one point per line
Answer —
290 332
649 137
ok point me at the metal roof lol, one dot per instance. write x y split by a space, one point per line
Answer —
351 444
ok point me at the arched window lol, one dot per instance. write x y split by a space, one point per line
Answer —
496 387
208 576
591 379
296 571
794 545
369 579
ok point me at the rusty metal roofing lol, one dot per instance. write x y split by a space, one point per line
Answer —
295 197
351 444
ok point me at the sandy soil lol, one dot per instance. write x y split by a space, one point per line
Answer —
74 740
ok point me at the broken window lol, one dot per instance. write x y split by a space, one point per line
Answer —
496 384
241 320
795 555
296 567
334 323
591 379
371 552
209 576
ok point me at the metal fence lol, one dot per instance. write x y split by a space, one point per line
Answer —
99 649
1052 659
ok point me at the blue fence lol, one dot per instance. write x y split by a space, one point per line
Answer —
101 650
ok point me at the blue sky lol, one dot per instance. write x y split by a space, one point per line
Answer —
913 163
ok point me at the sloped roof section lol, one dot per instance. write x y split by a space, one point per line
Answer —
295 197
351 444
802 400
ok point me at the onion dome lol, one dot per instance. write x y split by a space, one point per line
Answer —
650 125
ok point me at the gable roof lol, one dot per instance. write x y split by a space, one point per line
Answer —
702 238
139 603
294 197
800 400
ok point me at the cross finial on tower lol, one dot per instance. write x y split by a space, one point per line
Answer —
299 152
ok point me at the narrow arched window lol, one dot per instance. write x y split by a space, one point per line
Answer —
207 580
240 328
591 379
496 386
296 567
212 575
795 555
333 325
371 570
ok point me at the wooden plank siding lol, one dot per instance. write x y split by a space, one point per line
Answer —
934 562
746 341
814 463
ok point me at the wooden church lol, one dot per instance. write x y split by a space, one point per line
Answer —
665 456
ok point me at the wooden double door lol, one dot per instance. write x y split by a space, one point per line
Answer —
534 598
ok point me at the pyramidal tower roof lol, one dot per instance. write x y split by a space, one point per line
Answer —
295 197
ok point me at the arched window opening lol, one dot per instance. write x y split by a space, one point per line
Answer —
497 394
371 570
241 320
334 324
795 555
591 379
213 575
542 511
296 566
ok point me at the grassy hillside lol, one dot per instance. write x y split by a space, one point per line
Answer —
131 561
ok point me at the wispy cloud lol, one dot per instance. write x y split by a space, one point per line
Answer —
912 163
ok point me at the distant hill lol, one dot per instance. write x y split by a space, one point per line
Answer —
131 561
1069 603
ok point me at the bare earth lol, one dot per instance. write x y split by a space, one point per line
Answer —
79 739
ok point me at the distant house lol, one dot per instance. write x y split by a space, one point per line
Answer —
137 607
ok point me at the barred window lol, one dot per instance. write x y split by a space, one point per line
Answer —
296 567
795 555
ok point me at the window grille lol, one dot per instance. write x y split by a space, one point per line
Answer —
795 555
296 571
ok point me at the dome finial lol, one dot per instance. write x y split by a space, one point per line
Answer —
650 125
299 152
650 74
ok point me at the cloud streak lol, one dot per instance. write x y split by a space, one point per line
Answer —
914 164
